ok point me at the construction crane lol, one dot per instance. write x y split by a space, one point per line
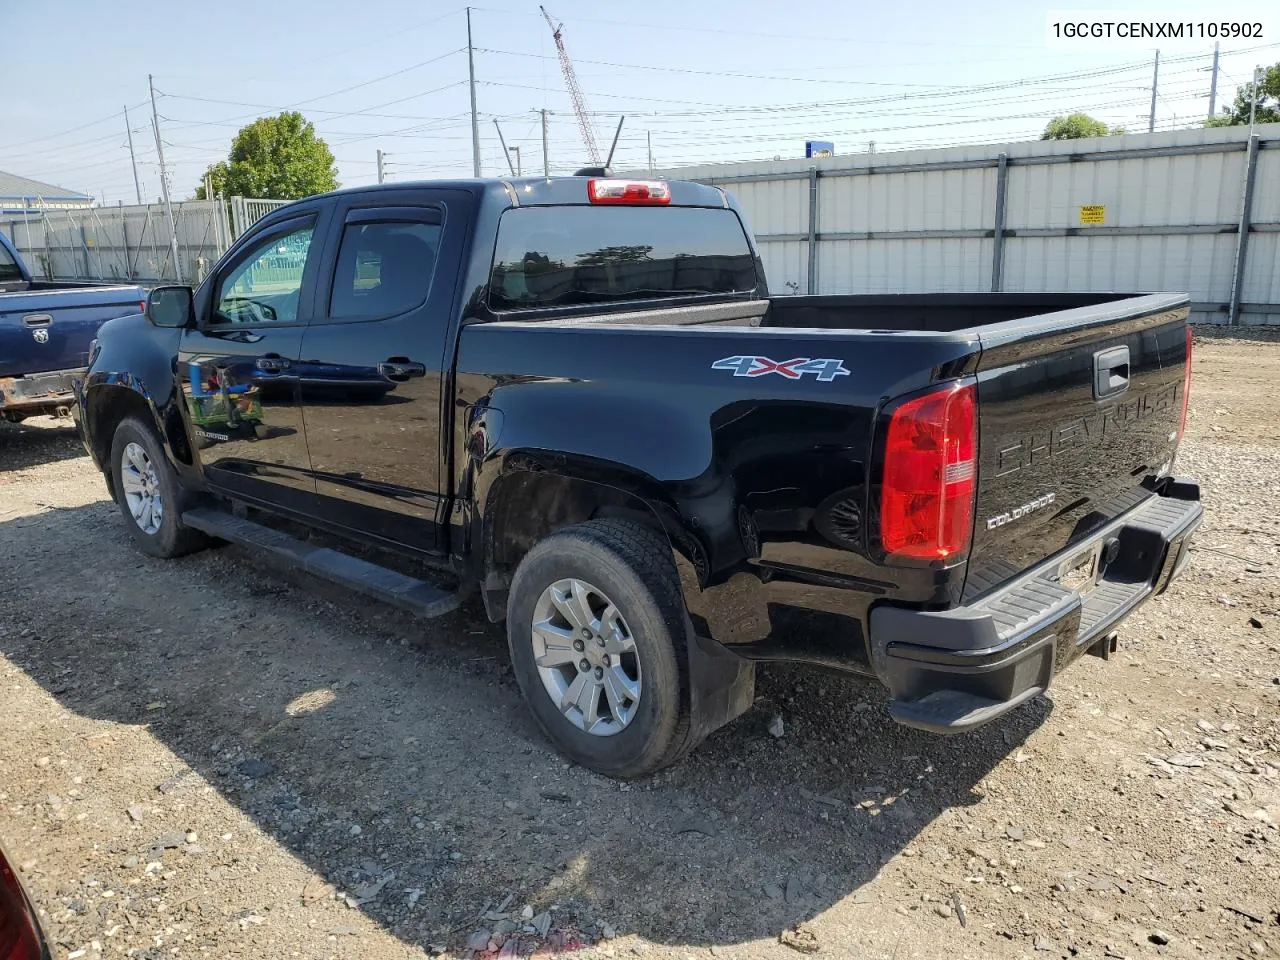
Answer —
575 91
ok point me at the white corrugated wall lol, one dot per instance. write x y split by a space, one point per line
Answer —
896 223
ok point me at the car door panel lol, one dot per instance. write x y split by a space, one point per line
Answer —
370 372
238 368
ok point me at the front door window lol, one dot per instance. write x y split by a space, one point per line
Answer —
264 287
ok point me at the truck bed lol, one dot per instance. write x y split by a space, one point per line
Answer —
876 313
939 312
48 326
1058 458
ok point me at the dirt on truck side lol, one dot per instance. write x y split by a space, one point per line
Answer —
217 756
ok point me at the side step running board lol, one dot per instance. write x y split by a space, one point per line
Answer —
416 596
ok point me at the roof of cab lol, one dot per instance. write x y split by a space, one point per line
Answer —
552 191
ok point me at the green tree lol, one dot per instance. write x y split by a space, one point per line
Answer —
1268 102
274 158
215 176
1076 126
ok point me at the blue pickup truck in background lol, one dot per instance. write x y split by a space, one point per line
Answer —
45 330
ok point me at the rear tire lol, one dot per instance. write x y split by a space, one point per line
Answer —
148 492
640 715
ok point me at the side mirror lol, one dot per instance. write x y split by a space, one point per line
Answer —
171 307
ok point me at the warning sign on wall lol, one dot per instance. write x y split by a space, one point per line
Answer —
1093 215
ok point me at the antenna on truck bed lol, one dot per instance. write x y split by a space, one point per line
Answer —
607 169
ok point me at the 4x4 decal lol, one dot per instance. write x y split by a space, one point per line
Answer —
825 369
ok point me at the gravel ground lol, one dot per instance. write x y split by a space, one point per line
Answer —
217 756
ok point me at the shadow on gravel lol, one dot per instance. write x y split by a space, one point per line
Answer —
397 760
37 441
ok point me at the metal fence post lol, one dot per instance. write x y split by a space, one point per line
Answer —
997 247
142 236
813 232
97 243
155 249
124 235
1242 237
84 249
225 220
44 240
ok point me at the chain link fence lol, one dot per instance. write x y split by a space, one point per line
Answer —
133 243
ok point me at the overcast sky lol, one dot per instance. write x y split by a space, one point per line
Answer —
711 81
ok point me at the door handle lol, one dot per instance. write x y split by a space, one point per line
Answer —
401 370
271 363
1110 372
37 319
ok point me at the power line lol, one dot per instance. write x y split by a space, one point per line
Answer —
269 106
363 83
662 25
83 126
732 74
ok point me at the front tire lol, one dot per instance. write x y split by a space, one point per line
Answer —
596 628
150 497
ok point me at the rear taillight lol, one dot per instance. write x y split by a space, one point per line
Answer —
1186 389
657 192
18 937
930 475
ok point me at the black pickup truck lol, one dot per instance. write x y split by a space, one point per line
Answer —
575 397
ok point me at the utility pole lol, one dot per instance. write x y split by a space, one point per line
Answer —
648 142
546 165
1213 84
164 183
1155 81
137 185
475 124
519 167
381 157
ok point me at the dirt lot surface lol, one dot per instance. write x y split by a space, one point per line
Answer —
211 756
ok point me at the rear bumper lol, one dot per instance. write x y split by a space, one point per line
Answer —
954 670
36 393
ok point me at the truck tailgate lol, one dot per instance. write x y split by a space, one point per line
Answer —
1078 416
51 330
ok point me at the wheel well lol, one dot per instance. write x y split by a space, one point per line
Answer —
528 506
110 406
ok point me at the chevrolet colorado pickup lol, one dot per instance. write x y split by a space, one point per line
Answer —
45 329
576 397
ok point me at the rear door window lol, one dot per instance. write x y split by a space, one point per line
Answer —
384 268
562 256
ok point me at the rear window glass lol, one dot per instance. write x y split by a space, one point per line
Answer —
561 256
